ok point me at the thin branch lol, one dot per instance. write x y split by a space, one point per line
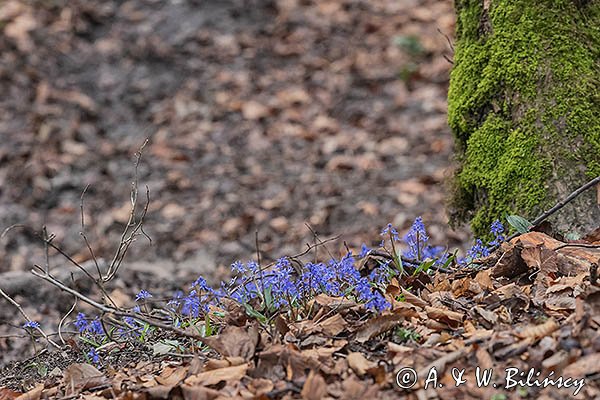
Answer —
115 311
564 202
447 39
316 237
125 241
584 245
559 205
82 233
62 321
18 307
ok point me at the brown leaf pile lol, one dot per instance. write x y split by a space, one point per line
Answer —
535 306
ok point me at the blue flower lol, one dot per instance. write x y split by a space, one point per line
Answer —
95 327
380 275
94 356
390 230
252 267
238 268
373 299
346 271
478 250
81 322
364 250
363 290
142 295
378 303
416 239
174 303
191 305
318 278
31 325
497 229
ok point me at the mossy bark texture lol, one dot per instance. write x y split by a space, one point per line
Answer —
524 107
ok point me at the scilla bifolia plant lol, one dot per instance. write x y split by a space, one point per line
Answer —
286 289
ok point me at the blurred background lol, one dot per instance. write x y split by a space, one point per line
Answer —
263 116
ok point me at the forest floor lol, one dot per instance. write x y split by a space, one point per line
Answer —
262 117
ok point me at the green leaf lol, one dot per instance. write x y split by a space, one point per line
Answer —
519 223
208 330
255 314
268 298
424 266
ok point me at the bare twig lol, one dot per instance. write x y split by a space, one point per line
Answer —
316 237
447 39
84 236
113 310
18 307
126 241
569 198
559 205
62 321
584 245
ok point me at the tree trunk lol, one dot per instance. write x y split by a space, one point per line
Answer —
524 107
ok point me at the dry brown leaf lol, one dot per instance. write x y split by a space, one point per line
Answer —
510 291
412 299
560 302
191 392
195 366
451 318
510 263
488 316
440 363
223 363
359 364
382 323
235 341
260 386
332 326
314 387
339 303
215 376
8 394
484 359
79 377
513 349
484 280
159 391
18 30
33 394
171 376
355 389
569 282
586 365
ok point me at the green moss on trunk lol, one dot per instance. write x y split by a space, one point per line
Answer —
524 105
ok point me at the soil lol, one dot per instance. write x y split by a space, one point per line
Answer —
262 117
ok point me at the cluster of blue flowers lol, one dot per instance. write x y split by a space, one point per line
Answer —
480 249
418 248
89 327
287 287
283 287
31 325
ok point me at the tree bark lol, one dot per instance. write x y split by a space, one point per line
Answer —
524 108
